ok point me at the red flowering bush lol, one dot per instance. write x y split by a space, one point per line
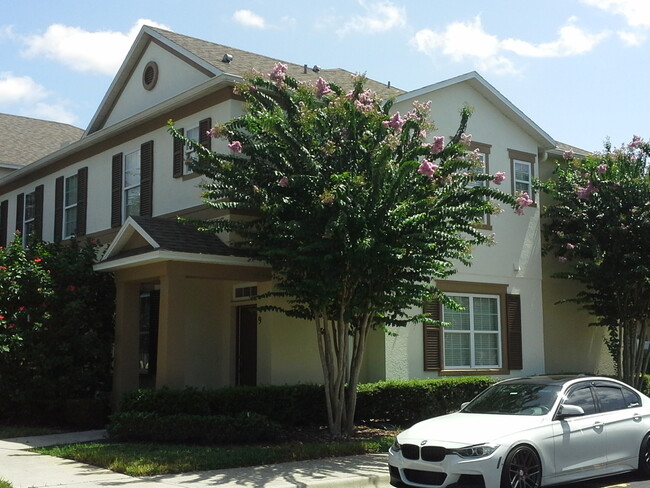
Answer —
56 328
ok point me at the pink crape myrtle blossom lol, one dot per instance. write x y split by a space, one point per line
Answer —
568 154
523 200
499 177
636 142
279 73
466 139
395 122
235 146
284 181
562 259
322 88
586 191
602 167
427 168
570 246
438 144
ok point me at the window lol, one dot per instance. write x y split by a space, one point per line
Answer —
29 215
70 198
483 152
473 338
183 154
132 184
582 397
484 336
610 398
522 176
190 153
70 206
522 166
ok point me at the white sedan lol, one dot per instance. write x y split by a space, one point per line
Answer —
529 432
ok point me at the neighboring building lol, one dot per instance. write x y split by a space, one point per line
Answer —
184 311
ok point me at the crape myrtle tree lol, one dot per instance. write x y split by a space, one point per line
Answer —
353 210
56 328
598 226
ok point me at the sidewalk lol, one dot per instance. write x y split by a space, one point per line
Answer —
26 469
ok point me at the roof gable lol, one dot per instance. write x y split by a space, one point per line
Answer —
491 94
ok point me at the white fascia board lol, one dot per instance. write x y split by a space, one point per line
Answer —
128 229
197 92
163 255
493 95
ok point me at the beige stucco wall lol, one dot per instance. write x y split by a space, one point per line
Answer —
515 258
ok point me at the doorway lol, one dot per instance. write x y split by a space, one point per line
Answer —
148 346
246 352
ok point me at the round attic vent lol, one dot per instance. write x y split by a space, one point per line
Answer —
150 75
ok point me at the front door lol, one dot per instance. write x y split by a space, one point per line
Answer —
148 347
246 354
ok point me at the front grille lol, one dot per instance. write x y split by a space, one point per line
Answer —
425 477
411 451
433 454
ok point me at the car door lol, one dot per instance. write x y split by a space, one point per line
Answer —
580 441
623 423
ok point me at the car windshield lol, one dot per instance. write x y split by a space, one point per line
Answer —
515 399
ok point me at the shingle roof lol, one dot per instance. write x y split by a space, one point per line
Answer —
24 140
244 63
175 236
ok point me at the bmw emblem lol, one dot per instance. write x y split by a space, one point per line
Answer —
423 443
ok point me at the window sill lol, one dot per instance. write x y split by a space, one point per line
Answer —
473 371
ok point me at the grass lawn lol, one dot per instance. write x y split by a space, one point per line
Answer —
153 459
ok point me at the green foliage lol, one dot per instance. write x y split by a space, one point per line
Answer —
242 428
403 402
598 226
56 328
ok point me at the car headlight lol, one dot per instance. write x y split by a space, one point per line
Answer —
396 447
478 451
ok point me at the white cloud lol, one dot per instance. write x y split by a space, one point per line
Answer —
81 50
52 111
20 89
469 41
249 18
571 41
632 38
379 17
635 12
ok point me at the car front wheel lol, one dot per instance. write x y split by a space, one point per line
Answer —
522 469
644 456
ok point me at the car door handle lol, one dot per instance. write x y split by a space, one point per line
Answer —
598 425
636 417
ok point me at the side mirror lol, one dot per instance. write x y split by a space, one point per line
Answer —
463 405
567 410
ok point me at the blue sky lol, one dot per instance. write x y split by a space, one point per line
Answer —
580 69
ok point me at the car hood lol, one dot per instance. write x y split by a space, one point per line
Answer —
466 429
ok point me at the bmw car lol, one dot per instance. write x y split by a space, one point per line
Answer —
527 433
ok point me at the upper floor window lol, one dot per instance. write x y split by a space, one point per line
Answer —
132 184
70 206
190 153
184 154
29 219
522 167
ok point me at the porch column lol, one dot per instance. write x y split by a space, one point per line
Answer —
126 367
171 329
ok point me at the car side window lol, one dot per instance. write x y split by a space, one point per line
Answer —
631 399
582 397
610 398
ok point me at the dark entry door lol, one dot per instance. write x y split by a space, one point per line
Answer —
148 348
246 374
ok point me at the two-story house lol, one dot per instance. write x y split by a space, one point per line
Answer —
184 313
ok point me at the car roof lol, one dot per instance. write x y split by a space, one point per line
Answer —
558 380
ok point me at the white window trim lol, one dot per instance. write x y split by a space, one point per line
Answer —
189 154
125 188
528 182
471 332
68 207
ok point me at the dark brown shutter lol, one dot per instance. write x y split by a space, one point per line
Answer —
38 214
204 139
433 338
513 316
20 212
116 191
58 208
146 179
178 156
82 201
4 222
